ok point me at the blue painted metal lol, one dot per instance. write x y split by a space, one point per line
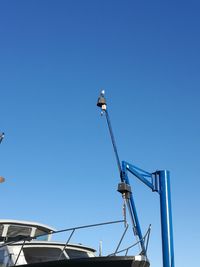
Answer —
166 218
133 211
160 183
139 173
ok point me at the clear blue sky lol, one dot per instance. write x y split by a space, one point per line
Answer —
57 158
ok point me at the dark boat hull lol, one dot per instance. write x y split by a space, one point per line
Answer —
113 261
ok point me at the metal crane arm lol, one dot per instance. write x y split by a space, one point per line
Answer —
160 183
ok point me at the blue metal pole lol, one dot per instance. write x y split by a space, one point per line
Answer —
133 211
137 225
166 218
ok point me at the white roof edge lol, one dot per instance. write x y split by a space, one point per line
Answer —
28 223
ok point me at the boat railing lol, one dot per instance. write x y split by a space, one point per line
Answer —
74 229
82 227
145 239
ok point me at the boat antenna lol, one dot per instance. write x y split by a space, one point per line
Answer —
101 102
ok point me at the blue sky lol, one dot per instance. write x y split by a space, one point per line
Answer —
57 158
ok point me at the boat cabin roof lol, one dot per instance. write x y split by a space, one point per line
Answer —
15 230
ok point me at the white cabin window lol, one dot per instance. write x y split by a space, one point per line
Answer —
41 235
74 253
16 231
42 254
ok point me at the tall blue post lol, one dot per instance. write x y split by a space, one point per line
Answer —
166 218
